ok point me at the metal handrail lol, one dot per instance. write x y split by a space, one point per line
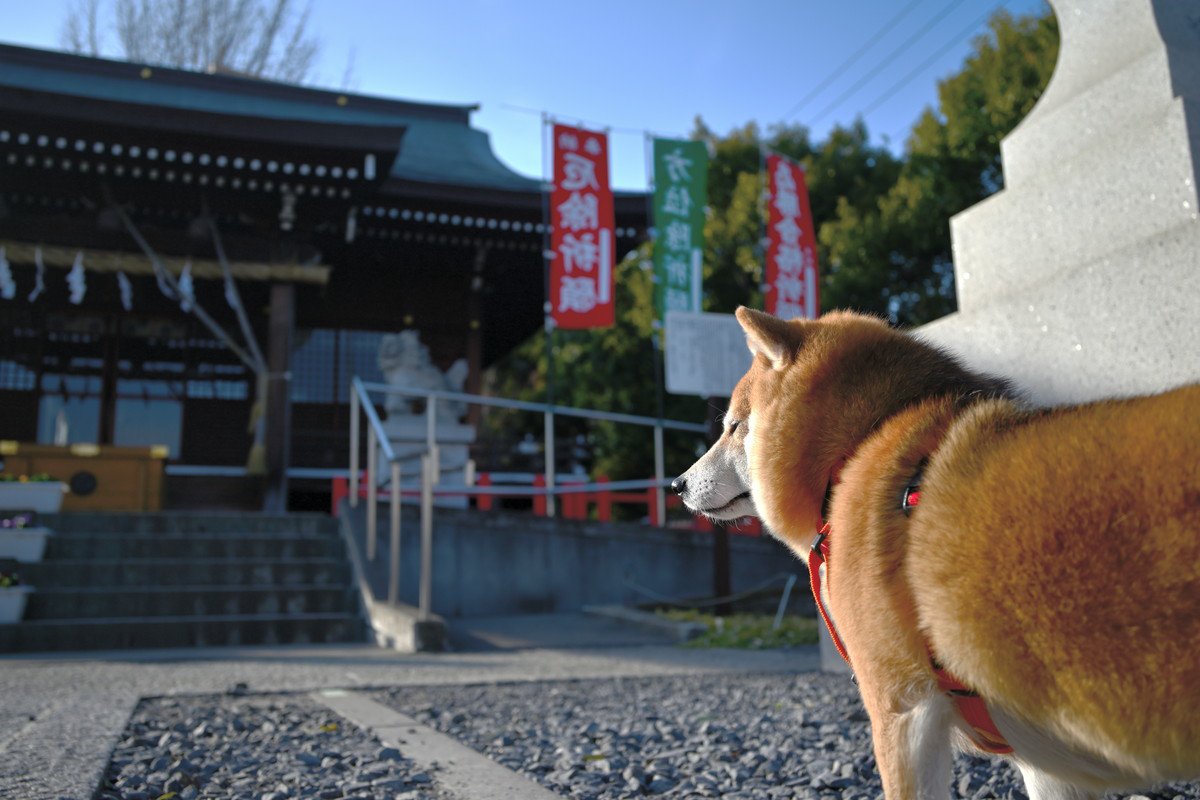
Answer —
378 440
373 417
566 488
517 490
541 408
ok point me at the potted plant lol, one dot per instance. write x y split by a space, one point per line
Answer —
38 492
12 597
21 538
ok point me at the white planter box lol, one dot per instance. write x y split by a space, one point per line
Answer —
23 544
12 603
45 498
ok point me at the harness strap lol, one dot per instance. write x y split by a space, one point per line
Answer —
969 705
974 711
818 556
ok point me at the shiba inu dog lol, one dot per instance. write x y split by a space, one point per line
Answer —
1025 581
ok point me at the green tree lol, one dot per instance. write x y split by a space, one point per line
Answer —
610 368
844 170
882 230
614 368
895 258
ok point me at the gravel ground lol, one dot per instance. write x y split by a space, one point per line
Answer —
755 736
265 747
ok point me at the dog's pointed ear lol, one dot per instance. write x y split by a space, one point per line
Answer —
768 337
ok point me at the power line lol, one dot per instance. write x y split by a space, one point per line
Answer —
887 60
588 123
890 91
838 70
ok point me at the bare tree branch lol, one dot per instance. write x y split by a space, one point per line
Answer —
93 26
70 35
80 32
258 38
272 23
300 54
349 79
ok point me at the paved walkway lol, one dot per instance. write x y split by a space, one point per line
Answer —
60 715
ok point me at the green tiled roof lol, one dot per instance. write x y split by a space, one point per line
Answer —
442 152
439 146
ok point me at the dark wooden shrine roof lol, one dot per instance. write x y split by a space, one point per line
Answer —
408 227
441 155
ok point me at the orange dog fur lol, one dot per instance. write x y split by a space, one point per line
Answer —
1053 564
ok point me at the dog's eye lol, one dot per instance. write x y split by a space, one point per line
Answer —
733 426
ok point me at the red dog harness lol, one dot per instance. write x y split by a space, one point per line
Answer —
970 706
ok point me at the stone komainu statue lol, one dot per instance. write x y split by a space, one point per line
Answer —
405 362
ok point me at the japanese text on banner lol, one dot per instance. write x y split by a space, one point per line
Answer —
680 195
791 263
581 241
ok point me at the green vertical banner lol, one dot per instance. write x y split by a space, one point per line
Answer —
680 195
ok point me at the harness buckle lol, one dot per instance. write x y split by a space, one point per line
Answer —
912 492
817 542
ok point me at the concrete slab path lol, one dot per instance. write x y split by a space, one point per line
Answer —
461 770
61 714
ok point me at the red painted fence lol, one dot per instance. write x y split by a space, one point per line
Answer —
575 505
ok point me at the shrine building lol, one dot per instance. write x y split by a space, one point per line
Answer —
343 218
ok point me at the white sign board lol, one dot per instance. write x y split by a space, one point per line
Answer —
706 354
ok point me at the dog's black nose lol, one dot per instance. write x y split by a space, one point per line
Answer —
679 486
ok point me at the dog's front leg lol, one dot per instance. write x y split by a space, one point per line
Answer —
912 747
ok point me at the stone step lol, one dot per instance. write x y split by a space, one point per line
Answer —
1021 237
113 581
190 631
179 523
174 535
185 601
164 572
80 546
1058 341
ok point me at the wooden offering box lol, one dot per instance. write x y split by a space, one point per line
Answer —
100 477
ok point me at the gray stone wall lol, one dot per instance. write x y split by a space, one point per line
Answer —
511 563
1081 278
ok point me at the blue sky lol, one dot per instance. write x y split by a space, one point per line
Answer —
630 65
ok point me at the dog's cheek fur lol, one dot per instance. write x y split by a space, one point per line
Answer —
748 445
780 447
795 456
786 506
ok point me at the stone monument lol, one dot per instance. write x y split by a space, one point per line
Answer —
405 362
1081 278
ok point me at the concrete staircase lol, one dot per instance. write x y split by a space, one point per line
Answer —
111 581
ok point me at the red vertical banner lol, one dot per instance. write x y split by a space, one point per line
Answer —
791 265
582 239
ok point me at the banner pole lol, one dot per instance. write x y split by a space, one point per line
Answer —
656 323
656 330
651 227
548 309
547 255
764 216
